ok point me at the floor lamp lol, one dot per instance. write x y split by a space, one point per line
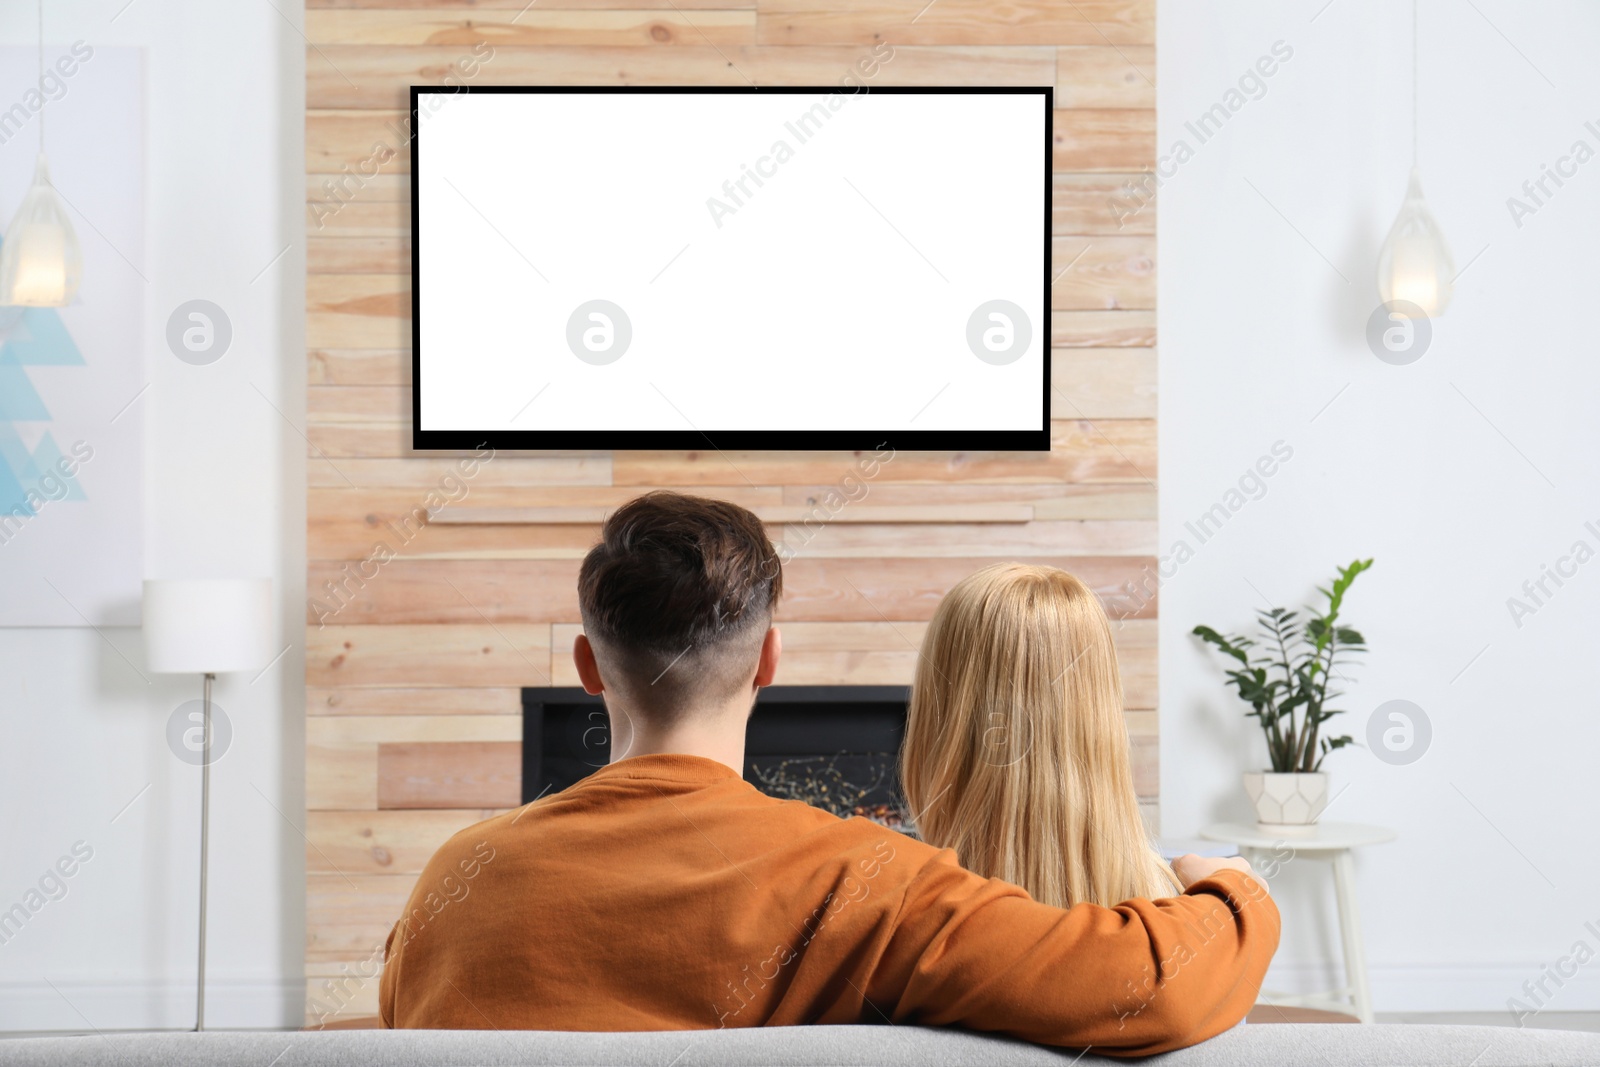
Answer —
207 627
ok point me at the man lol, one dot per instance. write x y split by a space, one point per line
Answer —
663 892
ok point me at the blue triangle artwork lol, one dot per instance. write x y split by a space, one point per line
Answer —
30 478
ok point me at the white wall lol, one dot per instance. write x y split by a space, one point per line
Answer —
1462 474
84 728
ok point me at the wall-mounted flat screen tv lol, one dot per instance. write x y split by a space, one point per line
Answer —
698 268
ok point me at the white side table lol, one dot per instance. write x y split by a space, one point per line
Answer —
1330 842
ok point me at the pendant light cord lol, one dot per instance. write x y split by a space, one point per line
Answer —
45 105
1413 83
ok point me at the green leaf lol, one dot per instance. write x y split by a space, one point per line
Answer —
1347 575
1228 646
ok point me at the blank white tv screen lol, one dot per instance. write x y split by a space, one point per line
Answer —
779 268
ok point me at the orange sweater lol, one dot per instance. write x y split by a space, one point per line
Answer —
665 893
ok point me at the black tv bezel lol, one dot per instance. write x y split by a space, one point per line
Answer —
1027 440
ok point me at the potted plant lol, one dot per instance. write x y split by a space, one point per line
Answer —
1285 678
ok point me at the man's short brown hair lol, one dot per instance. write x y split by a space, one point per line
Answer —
676 599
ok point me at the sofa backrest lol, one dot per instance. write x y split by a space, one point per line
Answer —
807 1046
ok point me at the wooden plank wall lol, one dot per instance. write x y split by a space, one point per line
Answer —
414 664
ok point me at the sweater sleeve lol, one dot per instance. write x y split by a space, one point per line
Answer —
1137 979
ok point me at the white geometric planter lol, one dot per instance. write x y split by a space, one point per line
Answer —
1287 804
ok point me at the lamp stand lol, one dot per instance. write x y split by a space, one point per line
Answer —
205 836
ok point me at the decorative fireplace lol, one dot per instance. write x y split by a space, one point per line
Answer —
831 746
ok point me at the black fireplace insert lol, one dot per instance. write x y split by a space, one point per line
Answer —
832 746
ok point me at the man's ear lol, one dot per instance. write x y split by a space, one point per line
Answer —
588 669
767 665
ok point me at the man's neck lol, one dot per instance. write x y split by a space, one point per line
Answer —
715 736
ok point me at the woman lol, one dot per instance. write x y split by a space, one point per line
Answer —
1016 755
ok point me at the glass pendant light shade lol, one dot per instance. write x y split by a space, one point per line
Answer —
1414 264
40 261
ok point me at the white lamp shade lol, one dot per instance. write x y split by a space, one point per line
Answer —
207 626
40 261
1414 264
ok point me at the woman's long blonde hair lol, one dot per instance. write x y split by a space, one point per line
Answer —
1016 753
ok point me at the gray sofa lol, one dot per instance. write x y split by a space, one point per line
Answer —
1288 1045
